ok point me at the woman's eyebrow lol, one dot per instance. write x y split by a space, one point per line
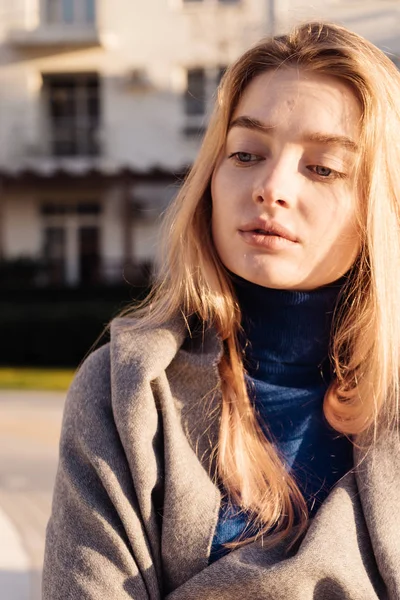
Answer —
316 137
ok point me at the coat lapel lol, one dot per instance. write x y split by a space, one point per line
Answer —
167 402
378 481
191 426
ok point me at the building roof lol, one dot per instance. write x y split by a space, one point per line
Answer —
61 174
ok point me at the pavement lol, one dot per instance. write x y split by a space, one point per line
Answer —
30 424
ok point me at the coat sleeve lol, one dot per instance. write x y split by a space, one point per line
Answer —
97 545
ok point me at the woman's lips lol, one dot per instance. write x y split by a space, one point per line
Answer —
269 241
268 227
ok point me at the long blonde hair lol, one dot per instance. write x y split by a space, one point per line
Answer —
366 331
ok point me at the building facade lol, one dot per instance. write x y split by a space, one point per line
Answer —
102 108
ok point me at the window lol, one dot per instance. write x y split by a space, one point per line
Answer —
54 253
89 254
70 11
90 11
199 96
73 110
210 1
220 74
395 60
71 230
55 208
195 97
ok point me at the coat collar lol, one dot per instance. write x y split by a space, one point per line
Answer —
190 430
173 377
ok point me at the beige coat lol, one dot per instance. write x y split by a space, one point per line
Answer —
135 509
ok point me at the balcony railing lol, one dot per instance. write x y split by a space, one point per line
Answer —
54 23
39 155
55 35
81 139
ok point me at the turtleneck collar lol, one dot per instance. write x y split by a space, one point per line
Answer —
287 333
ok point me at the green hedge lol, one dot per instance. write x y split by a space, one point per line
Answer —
56 328
35 378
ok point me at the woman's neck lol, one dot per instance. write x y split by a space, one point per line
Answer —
286 330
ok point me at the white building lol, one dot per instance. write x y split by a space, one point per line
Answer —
102 103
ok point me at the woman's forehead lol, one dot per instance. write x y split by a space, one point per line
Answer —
300 103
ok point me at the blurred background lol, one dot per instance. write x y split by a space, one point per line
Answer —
103 104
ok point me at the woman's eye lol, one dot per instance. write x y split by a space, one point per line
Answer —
325 172
245 157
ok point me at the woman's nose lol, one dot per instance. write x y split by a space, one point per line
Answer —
276 186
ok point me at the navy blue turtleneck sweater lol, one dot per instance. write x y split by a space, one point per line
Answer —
286 341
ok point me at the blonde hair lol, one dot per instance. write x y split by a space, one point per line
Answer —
366 330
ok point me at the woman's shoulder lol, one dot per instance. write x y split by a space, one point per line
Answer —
89 395
94 369
133 354
113 379
135 341
151 348
130 344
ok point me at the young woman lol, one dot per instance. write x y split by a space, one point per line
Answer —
238 437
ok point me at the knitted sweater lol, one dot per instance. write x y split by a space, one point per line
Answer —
286 336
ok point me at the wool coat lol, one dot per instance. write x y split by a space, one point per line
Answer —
135 506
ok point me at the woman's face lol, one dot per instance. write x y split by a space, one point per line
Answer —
283 192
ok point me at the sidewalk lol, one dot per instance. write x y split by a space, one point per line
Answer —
29 433
14 563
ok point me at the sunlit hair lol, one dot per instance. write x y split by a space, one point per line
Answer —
366 330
